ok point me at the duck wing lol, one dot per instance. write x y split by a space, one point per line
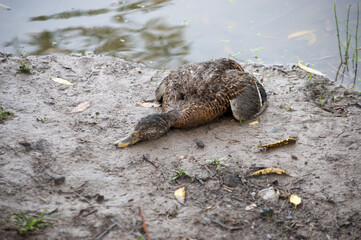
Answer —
201 92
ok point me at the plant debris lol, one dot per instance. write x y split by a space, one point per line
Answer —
296 200
281 143
81 107
268 171
180 195
61 81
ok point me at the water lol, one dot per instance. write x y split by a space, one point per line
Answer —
166 34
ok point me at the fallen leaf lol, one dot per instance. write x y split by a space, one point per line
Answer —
148 105
300 33
307 69
267 171
253 123
61 81
307 35
209 207
5 7
296 200
180 195
279 143
81 107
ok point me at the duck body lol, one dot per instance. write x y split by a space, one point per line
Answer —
195 94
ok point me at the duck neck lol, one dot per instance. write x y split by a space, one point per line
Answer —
155 125
169 118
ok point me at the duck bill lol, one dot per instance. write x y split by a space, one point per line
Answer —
125 142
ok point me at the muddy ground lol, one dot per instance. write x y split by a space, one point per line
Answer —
104 186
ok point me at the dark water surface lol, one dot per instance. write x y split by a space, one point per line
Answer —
165 34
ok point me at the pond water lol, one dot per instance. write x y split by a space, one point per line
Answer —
165 34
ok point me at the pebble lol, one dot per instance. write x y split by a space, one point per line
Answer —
230 180
59 179
268 194
274 130
275 182
267 212
100 198
200 143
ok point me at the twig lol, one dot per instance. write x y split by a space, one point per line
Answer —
335 216
115 223
146 158
144 225
340 134
227 139
209 171
225 226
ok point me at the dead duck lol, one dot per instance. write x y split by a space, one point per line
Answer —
195 94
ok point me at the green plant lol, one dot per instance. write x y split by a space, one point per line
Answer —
179 173
344 58
5 114
320 100
30 223
218 162
25 66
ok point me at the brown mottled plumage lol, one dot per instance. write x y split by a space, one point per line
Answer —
195 94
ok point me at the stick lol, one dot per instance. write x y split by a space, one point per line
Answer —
144 225
145 158
335 216
115 223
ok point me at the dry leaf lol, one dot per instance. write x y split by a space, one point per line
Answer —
307 35
281 143
267 171
253 123
307 69
81 107
148 105
5 7
296 200
180 195
61 81
209 207
300 33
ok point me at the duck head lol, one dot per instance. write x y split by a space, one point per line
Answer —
150 127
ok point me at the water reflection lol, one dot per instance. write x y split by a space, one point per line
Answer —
166 33
69 14
153 42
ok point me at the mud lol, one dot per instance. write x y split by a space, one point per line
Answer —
104 186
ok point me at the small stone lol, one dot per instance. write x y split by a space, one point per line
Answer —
200 143
267 212
207 219
88 196
294 157
59 179
274 130
275 182
269 236
278 220
100 198
268 194
230 180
